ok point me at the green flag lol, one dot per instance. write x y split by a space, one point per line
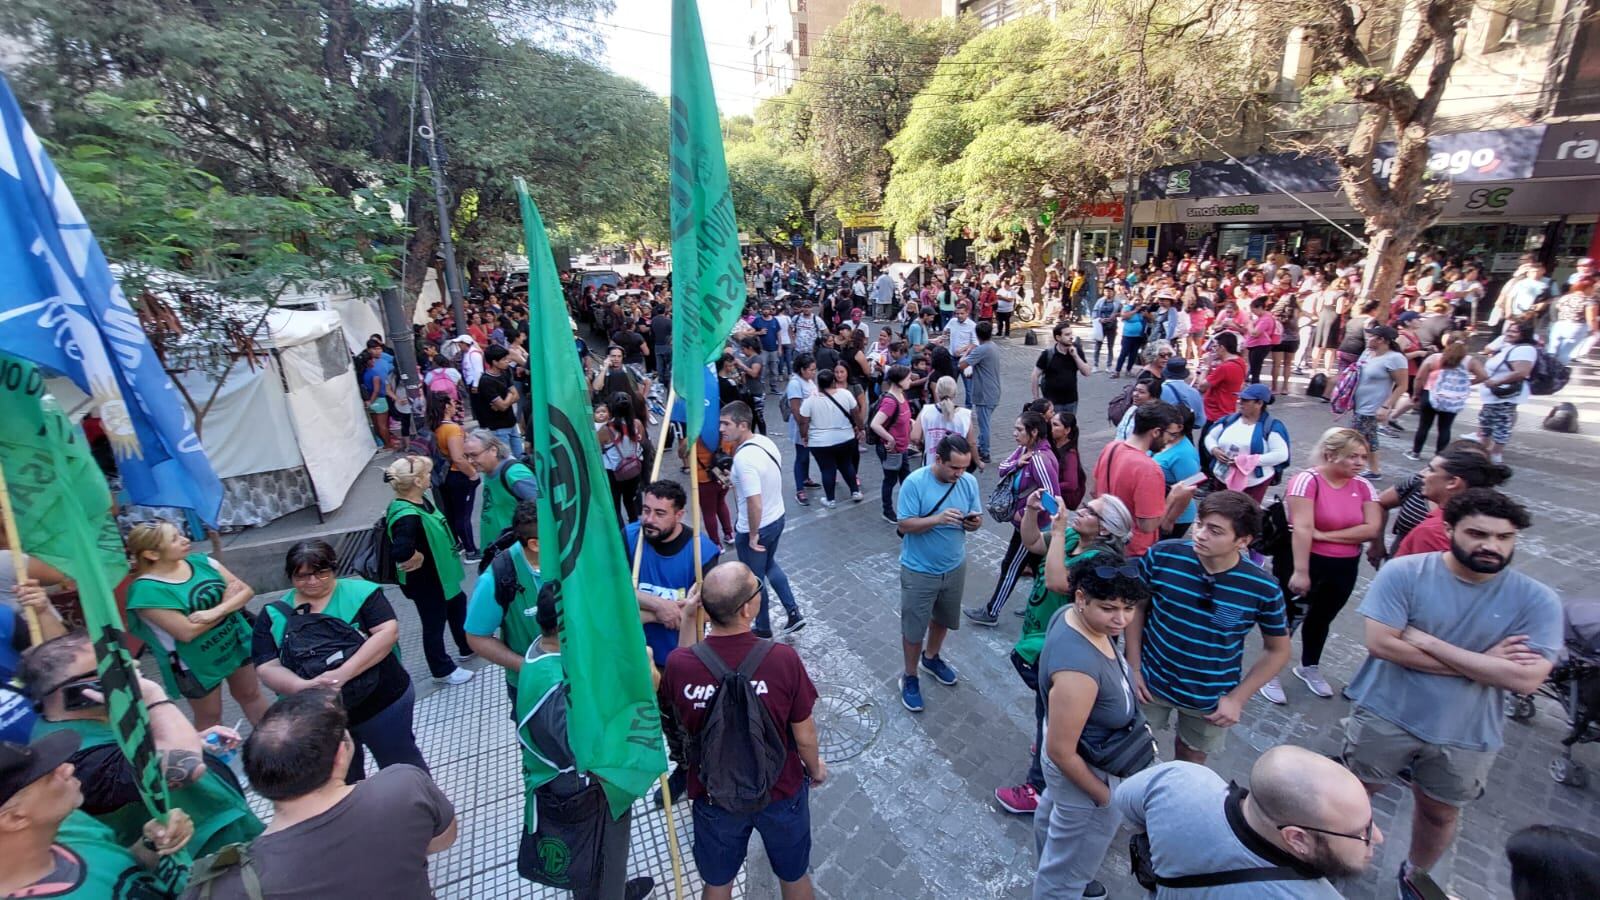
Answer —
613 722
707 273
63 512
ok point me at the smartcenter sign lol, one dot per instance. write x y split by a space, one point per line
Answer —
1191 213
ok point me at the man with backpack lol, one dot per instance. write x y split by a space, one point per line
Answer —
745 706
506 482
503 599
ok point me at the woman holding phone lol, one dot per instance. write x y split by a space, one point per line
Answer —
1030 467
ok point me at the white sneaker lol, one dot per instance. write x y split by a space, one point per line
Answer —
1313 679
1273 691
828 504
459 676
855 496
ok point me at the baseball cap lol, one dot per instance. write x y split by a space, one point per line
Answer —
1385 332
1256 392
1408 316
23 764
461 339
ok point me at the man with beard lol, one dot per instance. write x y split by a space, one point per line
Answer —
666 573
1302 821
1448 634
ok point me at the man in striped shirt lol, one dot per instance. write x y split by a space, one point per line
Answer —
1186 647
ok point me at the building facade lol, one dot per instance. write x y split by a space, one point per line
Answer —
785 33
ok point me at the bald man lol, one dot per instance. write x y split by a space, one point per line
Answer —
731 597
1303 820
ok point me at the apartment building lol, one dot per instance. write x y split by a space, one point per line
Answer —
785 33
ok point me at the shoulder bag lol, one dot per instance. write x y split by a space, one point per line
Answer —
1120 751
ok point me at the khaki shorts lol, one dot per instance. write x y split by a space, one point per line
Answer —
1376 749
1193 729
925 598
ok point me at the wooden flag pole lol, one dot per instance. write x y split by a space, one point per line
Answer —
638 558
19 560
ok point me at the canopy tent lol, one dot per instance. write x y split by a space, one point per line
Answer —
295 408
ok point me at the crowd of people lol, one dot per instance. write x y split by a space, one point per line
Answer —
1152 560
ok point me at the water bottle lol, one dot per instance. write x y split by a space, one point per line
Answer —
214 744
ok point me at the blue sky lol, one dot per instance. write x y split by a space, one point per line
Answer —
637 46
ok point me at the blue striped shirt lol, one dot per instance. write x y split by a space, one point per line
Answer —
1192 643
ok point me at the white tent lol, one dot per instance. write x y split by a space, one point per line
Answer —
295 409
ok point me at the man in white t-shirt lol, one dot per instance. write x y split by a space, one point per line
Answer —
785 339
883 292
757 478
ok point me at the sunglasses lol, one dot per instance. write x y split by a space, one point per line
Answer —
1128 569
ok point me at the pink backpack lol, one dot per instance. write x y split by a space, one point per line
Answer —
439 382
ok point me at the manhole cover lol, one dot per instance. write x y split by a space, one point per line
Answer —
848 721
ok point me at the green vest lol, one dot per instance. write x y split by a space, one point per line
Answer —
213 656
538 681
441 543
110 871
349 594
220 812
498 502
518 627
1042 605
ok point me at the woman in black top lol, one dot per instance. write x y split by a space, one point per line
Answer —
380 713
424 550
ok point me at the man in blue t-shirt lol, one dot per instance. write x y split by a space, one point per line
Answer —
766 326
666 573
1186 649
938 505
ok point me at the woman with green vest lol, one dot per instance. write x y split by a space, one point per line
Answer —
381 708
189 609
506 482
1101 525
429 570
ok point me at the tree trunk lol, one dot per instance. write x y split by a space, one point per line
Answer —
420 251
1038 243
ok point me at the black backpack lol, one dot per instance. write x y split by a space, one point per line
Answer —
1318 386
506 585
314 643
1548 376
739 751
370 555
1274 539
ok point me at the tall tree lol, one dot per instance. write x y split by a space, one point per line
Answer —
855 96
1394 61
1029 121
282 97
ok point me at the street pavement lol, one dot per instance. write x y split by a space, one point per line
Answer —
908 810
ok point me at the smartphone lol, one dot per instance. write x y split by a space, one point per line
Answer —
1192 481
1048 503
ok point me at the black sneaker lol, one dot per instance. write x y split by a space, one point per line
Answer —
1094 889
763 633
677 782
792 622
639 888
891 518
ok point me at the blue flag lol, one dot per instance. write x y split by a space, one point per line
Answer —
709 430
60 307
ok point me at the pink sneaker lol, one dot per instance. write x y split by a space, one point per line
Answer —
1021 799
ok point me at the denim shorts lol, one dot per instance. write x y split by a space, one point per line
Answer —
722 838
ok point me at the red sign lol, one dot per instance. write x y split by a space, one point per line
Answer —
1109 209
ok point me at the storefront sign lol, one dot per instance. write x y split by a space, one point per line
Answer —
1505 154
1568 149
1525 198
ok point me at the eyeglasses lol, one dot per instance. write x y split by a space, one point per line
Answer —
322 574
1128 569
1364 836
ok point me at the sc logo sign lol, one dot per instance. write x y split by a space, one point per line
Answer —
1489 198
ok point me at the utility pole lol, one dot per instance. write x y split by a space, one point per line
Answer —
404 342
452 275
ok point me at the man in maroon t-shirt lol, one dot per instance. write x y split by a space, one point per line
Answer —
731 596
1223 383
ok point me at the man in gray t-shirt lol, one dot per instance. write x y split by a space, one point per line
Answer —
1448 634
1303 815
983 385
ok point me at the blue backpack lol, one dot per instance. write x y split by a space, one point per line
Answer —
1258 440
